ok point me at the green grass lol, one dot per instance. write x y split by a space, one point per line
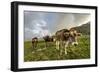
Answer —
82 51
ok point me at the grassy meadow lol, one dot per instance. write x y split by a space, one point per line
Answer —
40 53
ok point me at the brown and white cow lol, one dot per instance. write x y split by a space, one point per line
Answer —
73 36
65 37
34 42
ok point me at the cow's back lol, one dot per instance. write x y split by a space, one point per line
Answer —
60 35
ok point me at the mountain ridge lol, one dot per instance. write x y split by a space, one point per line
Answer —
84 28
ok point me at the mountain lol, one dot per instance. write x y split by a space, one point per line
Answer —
84 28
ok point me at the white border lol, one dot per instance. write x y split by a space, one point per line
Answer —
22 64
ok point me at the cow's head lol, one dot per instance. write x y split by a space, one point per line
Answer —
73 36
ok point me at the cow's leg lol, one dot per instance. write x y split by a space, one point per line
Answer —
61 52
61 47
57 45
36 44
66 46
45 44
33 45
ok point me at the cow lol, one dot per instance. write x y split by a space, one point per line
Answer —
73 36
34 42
47 39
61 37
65 37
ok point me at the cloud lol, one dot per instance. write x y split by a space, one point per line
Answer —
38 29
70 20
39 24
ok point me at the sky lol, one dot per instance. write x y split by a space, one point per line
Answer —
40 24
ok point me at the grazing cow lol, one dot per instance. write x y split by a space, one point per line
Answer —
34 42
47 39
65 37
